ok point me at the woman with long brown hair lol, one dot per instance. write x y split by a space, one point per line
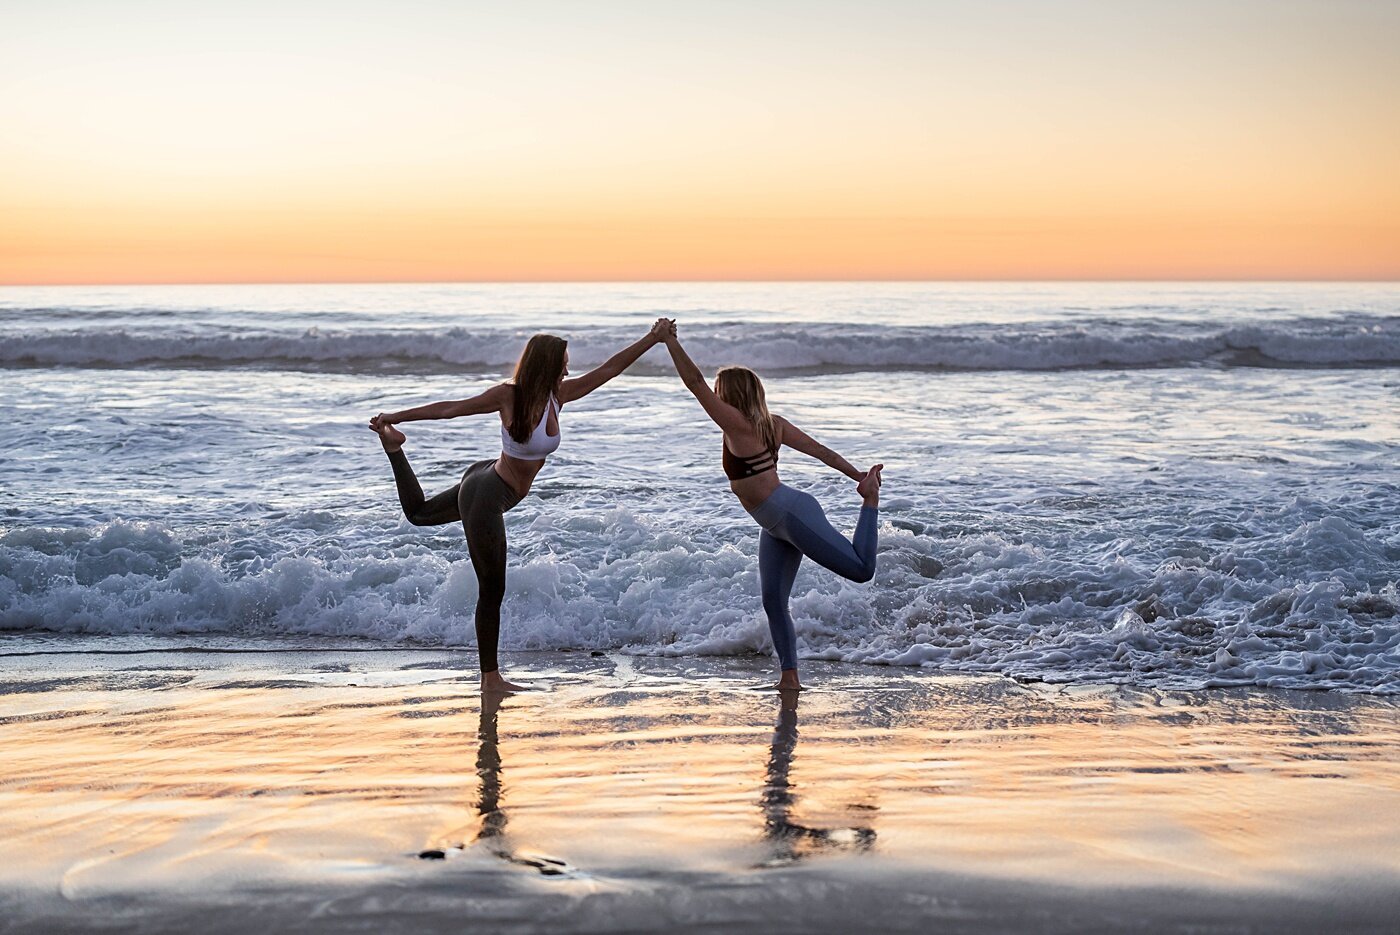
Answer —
793 522
528 406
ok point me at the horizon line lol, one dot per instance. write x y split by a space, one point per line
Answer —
756 281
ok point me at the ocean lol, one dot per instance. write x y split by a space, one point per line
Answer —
1175 485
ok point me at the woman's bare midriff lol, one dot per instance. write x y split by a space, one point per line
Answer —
752 491
517 472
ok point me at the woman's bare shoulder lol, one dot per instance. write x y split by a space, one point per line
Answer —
502 395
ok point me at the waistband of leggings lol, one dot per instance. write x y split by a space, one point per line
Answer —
476 467
774 507
484 472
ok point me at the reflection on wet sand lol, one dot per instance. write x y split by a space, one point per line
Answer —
790 840
492 820
655 777
492 829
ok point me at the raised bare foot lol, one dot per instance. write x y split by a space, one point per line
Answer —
391 438
492 683
869 486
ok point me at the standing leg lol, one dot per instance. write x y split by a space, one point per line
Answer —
777 570
438 511
483 500
485 527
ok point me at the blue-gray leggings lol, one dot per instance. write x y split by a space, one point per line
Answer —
793 526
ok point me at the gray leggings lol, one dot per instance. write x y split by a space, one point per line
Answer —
480 501
793 526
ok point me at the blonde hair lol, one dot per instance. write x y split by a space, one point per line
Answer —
741 388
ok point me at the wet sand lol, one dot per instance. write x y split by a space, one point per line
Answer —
373 791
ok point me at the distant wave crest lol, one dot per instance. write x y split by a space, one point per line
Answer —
1354 340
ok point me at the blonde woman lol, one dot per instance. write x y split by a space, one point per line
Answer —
793 522
528 407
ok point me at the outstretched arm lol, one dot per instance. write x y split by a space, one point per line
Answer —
493 400
797 439
725 416
579 387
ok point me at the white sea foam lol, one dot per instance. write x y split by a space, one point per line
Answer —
1253 613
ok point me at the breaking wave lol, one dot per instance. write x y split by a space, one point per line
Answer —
1305 605
1347 341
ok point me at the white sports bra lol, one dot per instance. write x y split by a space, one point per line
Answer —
541 443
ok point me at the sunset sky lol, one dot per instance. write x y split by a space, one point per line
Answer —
251 141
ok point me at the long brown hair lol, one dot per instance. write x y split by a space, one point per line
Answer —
742 389
537 373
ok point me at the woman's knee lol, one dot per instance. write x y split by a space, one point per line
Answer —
490 585
774 606
772 592
850 567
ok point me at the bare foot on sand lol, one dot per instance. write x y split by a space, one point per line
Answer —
869 486
787 682
492 683
391 438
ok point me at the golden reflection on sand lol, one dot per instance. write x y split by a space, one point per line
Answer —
789 838
293 775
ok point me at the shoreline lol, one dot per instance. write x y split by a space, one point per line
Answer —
157 790
81 644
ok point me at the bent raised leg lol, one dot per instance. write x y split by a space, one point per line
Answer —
777 570
807 528
440 510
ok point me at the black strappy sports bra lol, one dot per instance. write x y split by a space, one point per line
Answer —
737 468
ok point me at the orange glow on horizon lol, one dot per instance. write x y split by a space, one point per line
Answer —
715 249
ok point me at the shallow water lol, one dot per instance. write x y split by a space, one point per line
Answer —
1177 485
